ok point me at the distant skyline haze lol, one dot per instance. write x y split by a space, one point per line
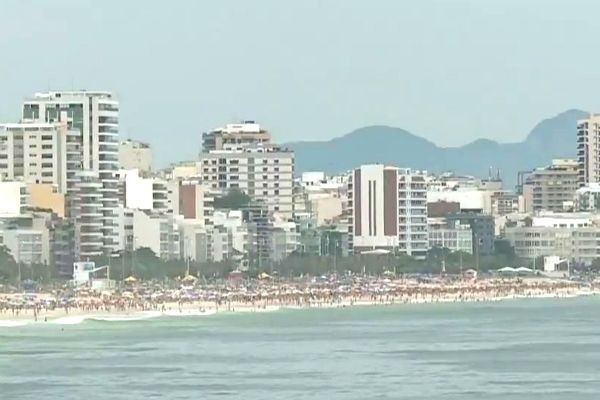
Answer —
449 71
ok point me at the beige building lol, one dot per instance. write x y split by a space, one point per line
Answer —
551 188
246 133
263 173
135 155
35 152
46 196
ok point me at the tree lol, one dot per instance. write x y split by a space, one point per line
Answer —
9 269
235 199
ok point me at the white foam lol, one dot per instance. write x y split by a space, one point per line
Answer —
12 324
189 313
138 316
74 320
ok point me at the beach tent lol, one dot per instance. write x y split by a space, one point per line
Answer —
524 270
264 275
189 278
376 251
507 270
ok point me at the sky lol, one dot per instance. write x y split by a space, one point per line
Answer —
450 71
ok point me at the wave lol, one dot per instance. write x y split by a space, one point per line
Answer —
136 316
189 313
12 324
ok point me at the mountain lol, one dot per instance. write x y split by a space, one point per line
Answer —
551 138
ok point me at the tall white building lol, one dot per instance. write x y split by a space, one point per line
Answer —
87 214
96 116
588 149
388 208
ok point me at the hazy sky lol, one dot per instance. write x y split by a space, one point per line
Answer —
450 71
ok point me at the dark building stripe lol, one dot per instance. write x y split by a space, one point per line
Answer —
357 204
390 202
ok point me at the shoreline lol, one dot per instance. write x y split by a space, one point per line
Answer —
202 308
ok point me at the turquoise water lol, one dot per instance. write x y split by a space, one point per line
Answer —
522 349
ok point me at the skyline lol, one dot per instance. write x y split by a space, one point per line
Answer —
453 64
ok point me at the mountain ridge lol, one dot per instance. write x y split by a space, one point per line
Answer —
550 138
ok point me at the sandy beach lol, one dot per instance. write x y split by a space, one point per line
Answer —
21 309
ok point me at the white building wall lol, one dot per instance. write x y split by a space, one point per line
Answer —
146 232
135 155
25 245
138 190
12 198
468 199
372 209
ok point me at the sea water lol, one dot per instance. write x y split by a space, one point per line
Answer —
520 350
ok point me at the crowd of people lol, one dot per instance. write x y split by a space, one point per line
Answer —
255 294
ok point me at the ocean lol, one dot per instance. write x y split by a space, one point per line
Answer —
511 350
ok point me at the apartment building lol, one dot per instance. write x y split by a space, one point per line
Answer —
232 136
551 188
388 208
587 198
134 154
455 236
35 152
158 232
191 200
588 150
25 245
95 116
264 173
483 228
143 193
87 215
